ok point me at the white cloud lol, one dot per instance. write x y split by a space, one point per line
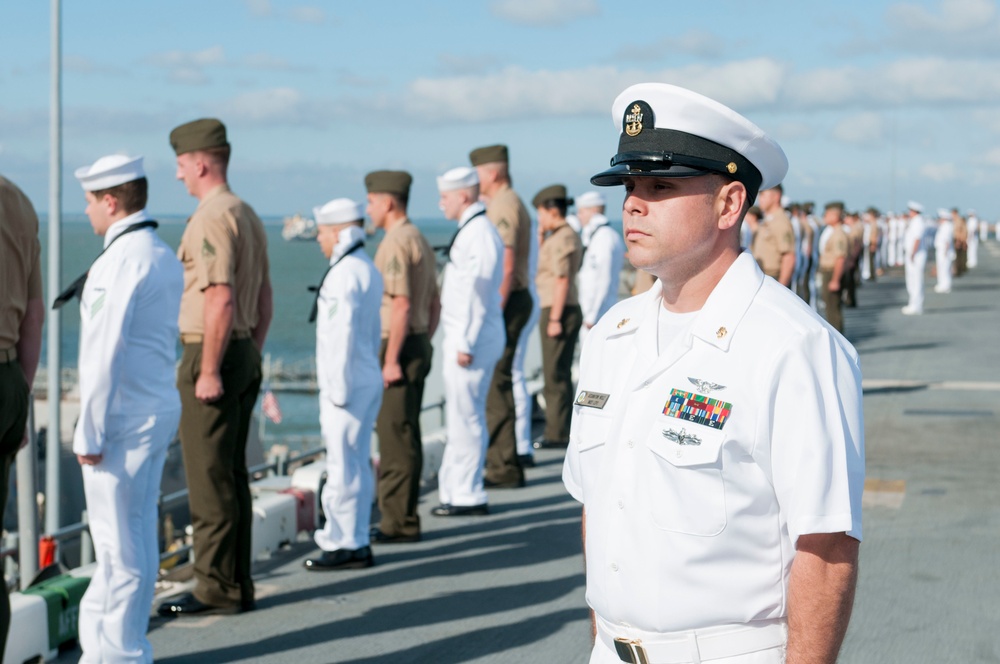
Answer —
543 12
455 64
863 129
694 42
187 76
792 131
304 14
955 16
990 158
265 105
516 93
259 7
939 172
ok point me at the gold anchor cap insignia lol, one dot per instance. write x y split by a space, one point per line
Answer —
622 322
721 332
635 114
731 167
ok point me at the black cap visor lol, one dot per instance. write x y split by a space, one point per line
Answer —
665 153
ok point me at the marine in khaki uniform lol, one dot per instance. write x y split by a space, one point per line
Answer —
774 241
834 246
505 209
22 312
226 309
961 243
558 263
410 310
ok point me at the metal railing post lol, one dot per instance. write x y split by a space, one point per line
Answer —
27 507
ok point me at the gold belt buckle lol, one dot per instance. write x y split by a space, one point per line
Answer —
631 651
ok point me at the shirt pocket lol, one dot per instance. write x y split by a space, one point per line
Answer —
590 437
684 478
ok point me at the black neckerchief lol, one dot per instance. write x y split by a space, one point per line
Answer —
75 289
447 250
592 238
315 289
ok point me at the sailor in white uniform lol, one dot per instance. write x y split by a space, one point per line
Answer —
915 259
944 251
474 337
522 398
129 405
717 438
348 330
603 257
973 223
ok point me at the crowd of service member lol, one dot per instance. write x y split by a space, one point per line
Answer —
506 274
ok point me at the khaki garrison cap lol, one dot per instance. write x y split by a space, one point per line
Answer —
203 134
389 182
835 205
488 155
555 192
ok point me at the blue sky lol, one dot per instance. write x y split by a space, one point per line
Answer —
874 102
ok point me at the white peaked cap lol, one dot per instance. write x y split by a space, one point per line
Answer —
689 125
110 171
915 206
462 177
338 211
589 199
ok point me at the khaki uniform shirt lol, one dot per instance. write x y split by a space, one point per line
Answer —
20 261
836 247
408 269
224 243
511 218
961 231
856 235
560 256
774 238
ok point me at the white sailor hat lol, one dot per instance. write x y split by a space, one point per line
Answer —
462 177
668 131
590 199
915 206
943 213
110 171
338 211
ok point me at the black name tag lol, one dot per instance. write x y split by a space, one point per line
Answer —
592 399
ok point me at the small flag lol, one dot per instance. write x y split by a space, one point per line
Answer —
269 406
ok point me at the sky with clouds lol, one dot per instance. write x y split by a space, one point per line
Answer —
874 102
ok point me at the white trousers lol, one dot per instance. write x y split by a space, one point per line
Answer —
122 493
972 258
944 263
350 486
915 280
522 400
460 479
601 654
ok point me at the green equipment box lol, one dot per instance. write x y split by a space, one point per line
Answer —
62 595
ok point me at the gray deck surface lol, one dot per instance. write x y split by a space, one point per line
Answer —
509 587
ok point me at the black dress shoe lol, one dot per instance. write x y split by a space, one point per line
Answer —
550 444
248 605
189 605
526 460
515 484
378 537
461 510
341 559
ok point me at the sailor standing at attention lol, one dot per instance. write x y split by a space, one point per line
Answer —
603 256
558 264
22 313
915 257
944 251
348 330
717 442
508 394
473 323
129 405
226 310
410 311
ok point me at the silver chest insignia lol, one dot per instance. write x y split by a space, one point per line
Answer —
706 386
681 437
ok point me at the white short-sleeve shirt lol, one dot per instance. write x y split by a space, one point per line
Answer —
699 468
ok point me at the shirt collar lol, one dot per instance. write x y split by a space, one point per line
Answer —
470 212
213 192
719 318
115 229
348 236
